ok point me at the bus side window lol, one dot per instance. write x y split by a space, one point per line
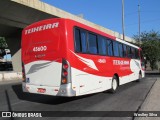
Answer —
121 50
124 50
102 45
77 40
133 53
129 51
110 47
92 40
136 54
115 49
83 41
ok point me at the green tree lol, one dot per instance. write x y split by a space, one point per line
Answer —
3 43
150 44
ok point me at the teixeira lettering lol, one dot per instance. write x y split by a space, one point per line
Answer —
120 62
41 28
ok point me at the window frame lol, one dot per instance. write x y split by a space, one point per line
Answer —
97 45
87 31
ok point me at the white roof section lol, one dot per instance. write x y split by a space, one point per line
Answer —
127 43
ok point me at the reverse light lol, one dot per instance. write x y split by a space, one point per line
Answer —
64 80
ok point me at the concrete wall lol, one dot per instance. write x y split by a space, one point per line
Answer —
14 44
10 76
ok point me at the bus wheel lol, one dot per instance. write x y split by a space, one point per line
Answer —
140 77
114 84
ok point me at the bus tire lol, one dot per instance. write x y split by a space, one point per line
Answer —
140 77
114 84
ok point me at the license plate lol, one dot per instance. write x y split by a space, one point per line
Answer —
41 90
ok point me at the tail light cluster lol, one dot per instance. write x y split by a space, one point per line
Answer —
66 72
23 73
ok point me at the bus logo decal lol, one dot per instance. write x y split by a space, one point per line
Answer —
36 67
120 62
88 62
41 28
102 60
137 64
40 48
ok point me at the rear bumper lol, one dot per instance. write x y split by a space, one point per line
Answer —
63 90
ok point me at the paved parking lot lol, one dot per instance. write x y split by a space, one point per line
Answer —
129 97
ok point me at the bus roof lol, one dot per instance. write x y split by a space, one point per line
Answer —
86 27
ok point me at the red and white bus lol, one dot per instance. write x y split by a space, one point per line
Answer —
62 57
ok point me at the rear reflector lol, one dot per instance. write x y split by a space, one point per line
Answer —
55 89
65 75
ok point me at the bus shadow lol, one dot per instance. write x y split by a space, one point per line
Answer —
54 100
45 99
129 85
152 73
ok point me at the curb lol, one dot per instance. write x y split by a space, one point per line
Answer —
5 76
151 103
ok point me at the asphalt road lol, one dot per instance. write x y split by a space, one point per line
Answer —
129 97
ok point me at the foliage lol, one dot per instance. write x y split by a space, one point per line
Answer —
3 43
150 44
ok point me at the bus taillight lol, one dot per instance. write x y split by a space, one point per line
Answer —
65 72
65 66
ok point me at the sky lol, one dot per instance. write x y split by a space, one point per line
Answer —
108 13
